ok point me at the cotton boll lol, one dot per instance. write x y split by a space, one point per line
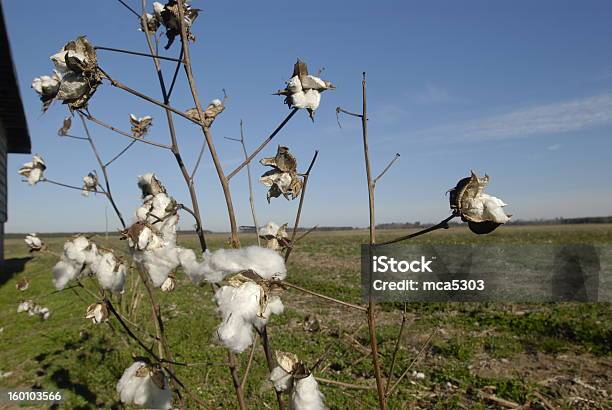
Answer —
79 254
492 209
274 306
298 100
138 387
33 242
158 263
312 99
64 272
306 395
110 272
150 185
46 86
294 85
282 380
24 306
168 285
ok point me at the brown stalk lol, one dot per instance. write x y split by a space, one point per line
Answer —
296 225
441 225
136 53
395 350
319 295
70 186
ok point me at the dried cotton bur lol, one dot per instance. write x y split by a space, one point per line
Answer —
34 309
213 109
293 378
75 78
140 126
304 90
282 178
90 183
34 242
483 212
168 16
146 386
66 124
22 284
34 170
97 312
276 237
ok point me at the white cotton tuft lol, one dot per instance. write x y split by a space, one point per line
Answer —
294 85
306 395
220 263
137 387
34 309
110 272
34 242
79 254
492 209
282 380
158 263
241 309
33 170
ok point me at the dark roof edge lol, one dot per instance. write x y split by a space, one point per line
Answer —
11 106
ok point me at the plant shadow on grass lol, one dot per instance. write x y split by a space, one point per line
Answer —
11 267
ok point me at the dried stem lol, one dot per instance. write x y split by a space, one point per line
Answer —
395 350
245 376
299 210
123 151
136 53
270 362
441 225
423 348
263 144
70 186
345 385
118 131
129 8
397 155
319 295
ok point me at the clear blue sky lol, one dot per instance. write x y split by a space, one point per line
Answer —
521 90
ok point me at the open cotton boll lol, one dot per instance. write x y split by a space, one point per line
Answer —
312 99
294 85
306 395
79 254
492 209
240 310
137 386
274 306
110 272
158 263
34 242
150 185
216 265
281 379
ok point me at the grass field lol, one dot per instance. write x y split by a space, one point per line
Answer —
555 354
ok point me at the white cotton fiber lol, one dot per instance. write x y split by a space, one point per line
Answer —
306 395
158 263
282 380
220 263
79 254
141 390
110 272
240 310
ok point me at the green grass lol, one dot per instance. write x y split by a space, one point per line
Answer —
504 347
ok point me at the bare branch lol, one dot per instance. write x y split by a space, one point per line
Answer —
375 180
118 131
70 186
136 53
423 348
129 8
123 151
319 295
175 75
344 385
395 350
245 376
302 236
263 144
442 225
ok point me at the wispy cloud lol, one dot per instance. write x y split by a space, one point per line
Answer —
554 118
553 147
433 94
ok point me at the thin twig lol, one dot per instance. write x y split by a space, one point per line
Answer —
423 348
175 75
129 8
344 385
319 295
70 186
301 204
395 350
302 236
123 151
125 134
375 180
270 362
441 225
245 376
263 144
136 53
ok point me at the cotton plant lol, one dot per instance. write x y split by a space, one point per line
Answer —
75 77
34 309
152 238
34 170
140 125
34 242
483 212
304 90
276 237
90 183
244 304
168 16
282 178
293 378
145 386
213 109
97 313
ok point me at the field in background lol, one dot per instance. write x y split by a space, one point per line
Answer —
557 353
